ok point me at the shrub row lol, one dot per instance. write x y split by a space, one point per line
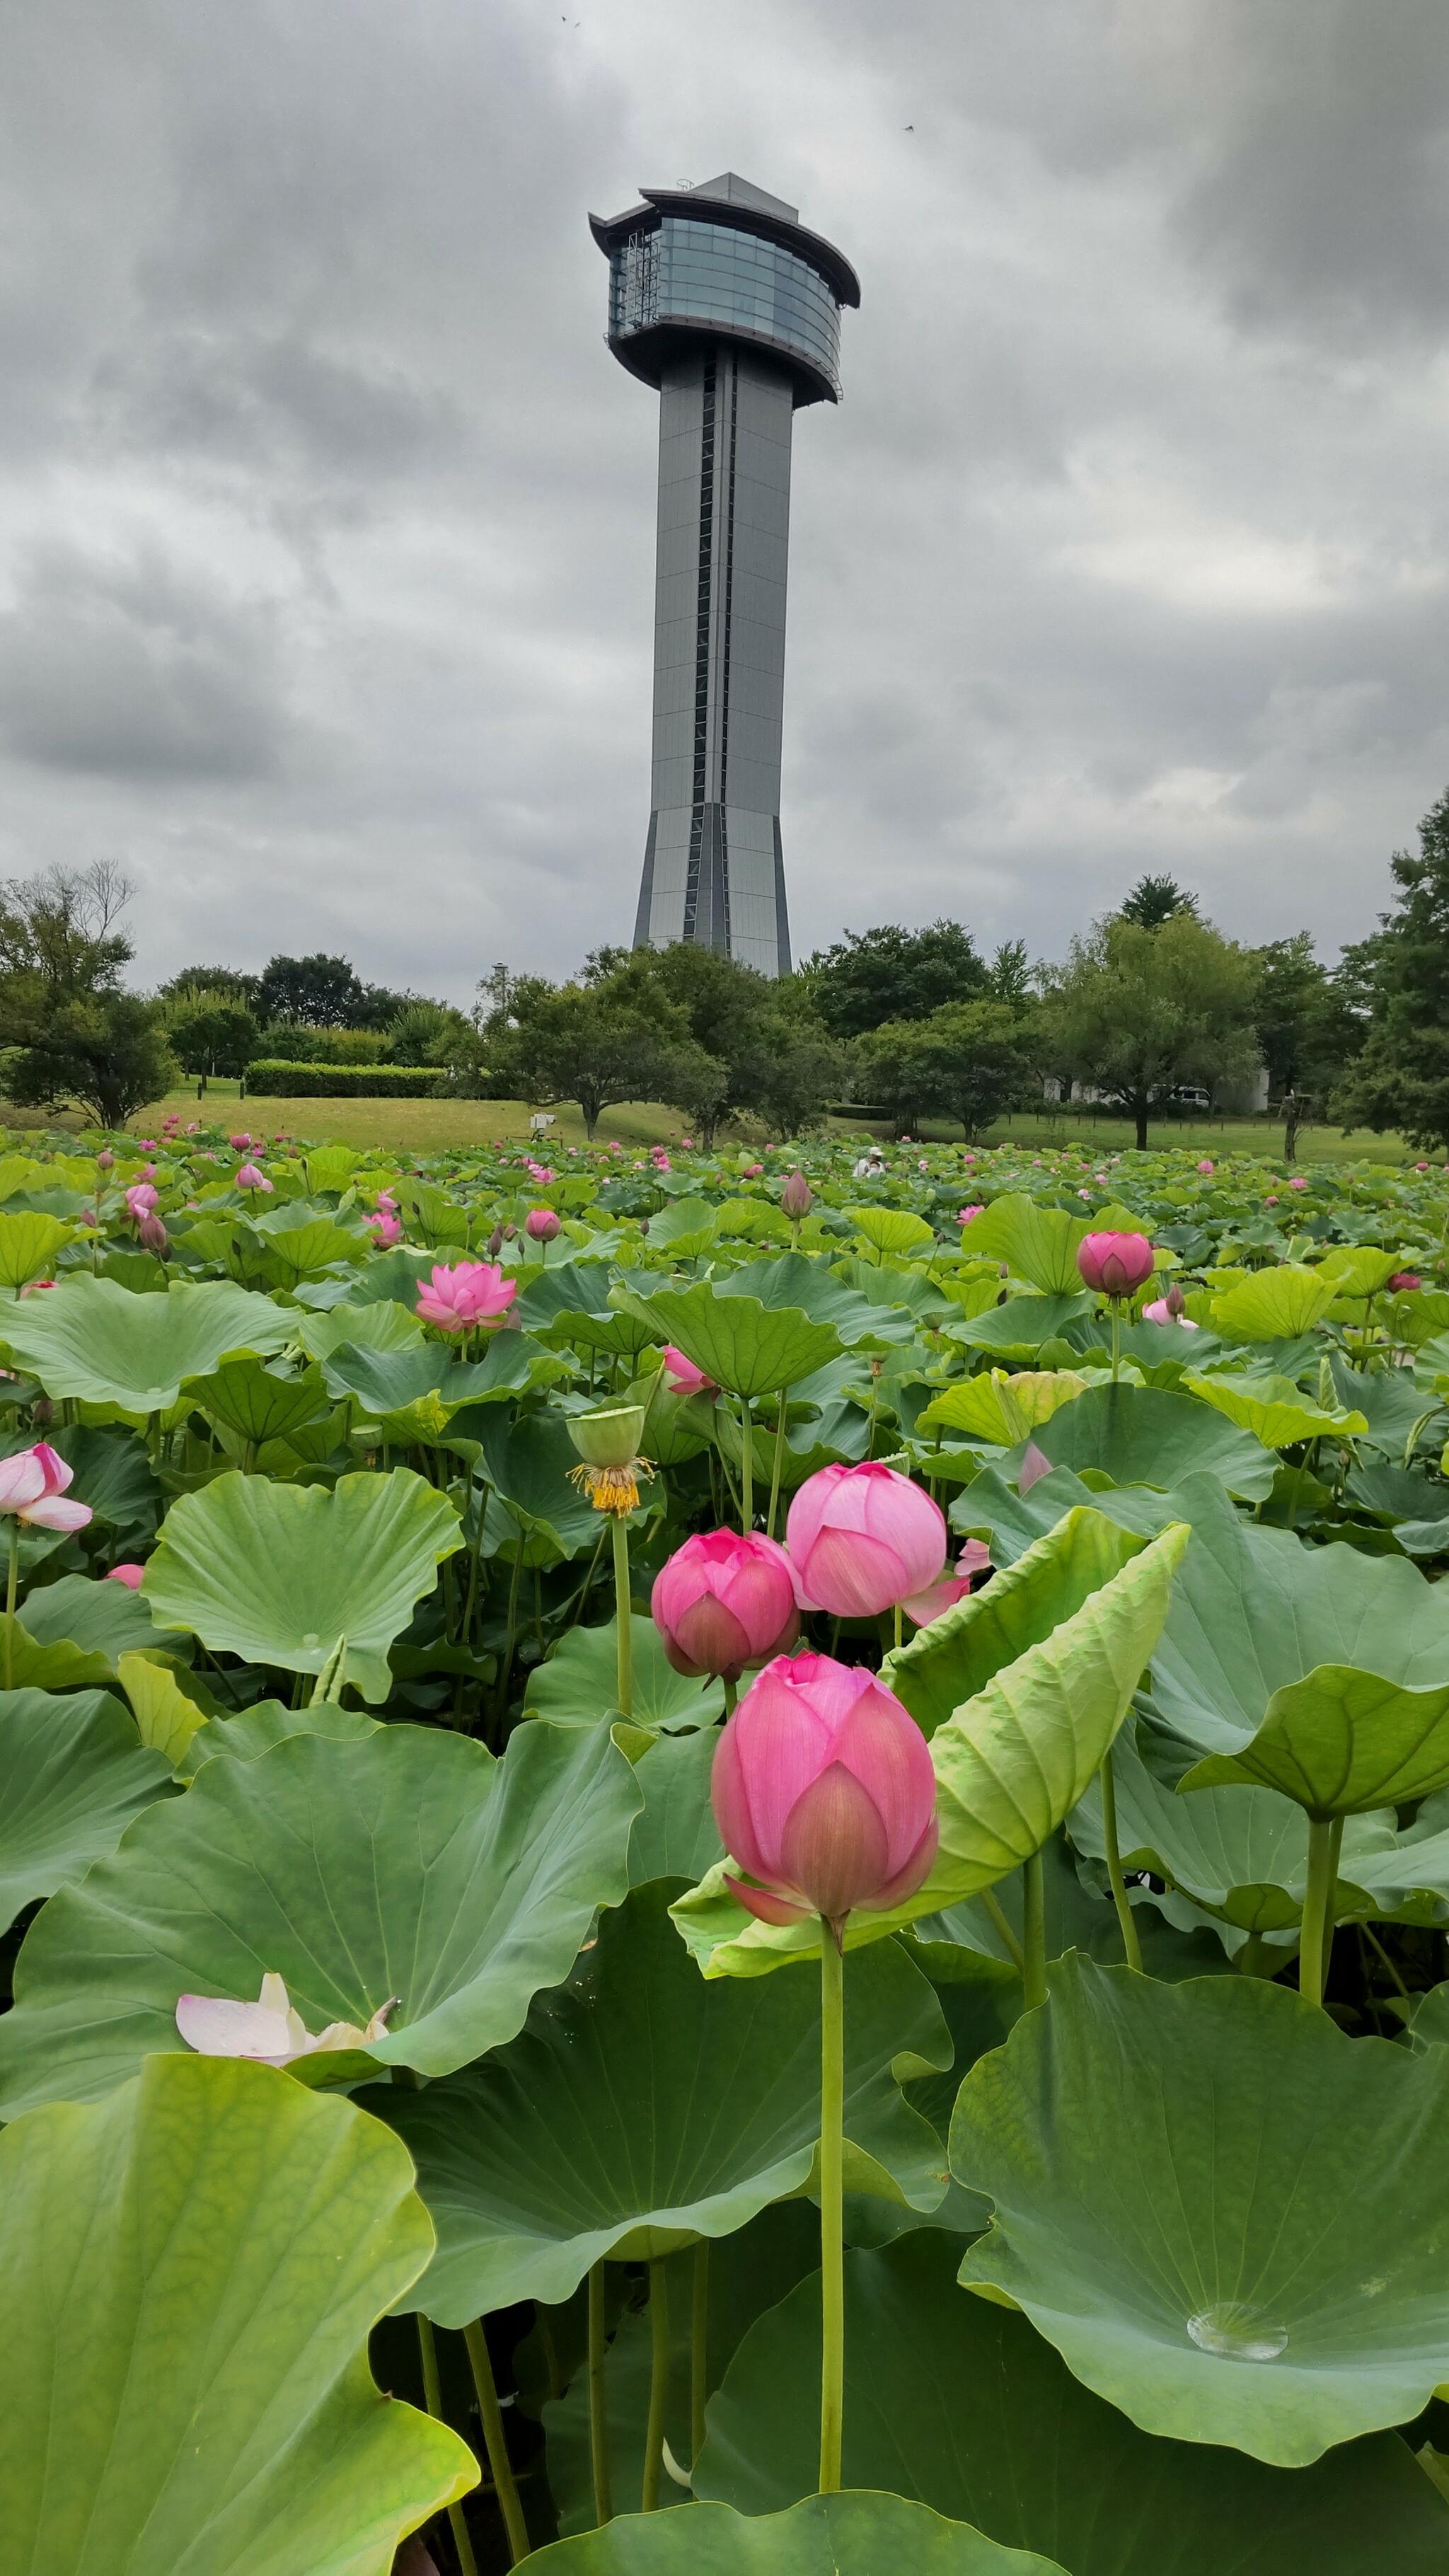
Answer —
269 1079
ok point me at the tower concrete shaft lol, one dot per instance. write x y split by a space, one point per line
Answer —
720 298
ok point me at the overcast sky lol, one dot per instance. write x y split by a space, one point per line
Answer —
326 519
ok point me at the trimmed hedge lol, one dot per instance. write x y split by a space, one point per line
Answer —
269 1079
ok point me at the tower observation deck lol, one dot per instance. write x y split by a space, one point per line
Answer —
722 300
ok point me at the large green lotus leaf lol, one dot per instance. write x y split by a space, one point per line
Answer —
1146 1435
73 1773
685 1229
1359 1270
28 1246
1397 1408
955 1656
529 1461
1022 1324
1240 1852
957 2402
258 1403
429 1380
568 1302
1273 1409
271 1721
1342 1742
1010 1766
114 1475
99 1618
837 2535
864 1320
963 1939
992 1509
1274 1305
191 2273
410 1864
1178 2176
995 1406
891 1230
93 1339
1254 1610
578 1686
675 1834
1036 1243
739 1342
279 1574
382 1326
300 1242
643 2108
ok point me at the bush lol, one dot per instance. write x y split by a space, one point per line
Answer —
270 1079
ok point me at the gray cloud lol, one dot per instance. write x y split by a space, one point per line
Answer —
326 520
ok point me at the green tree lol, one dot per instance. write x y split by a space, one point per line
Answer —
1401 1078
1154 900
210 1032
754 1046
107 1050
871 976
577 1043
67 1028
428 1033
1134 1013
322 992
226 980
968 1061
1309 1025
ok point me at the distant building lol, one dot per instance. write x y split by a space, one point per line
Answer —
720 298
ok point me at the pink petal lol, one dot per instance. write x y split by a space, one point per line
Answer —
914 1874
850 1574
834 1844
53 1513
769 1908
883 1748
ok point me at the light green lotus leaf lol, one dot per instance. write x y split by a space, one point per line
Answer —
955 2401
28 1246
191 2272
93 1339
258 1403
1240 1852
1359 1270
953 1657
1147 1435
1273 1409
1342 1742
1273 1305
675 1834
1038 1244
410 1863
1011 1764
1021 1325
578 1686
566 1303
300 1243
891 1230
381 1326
643 2108
995 1406
685 1229
166 1714
739 1342
837 2535
1254 1610
1178 2178
871 1310
98 1617
279 1574
73 1774
270 1721
416 1393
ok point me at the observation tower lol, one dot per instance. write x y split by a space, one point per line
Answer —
722 300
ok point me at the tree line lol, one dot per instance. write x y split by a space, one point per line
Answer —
1152 1002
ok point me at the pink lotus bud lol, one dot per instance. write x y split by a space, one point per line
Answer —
467 1293
752 1171
250 1178
153 1234
240 1144
1115 1265
130 1575
824 1791
541 1225
1271 1200
1162 1311
1421 1167
973 1563
863 1538
141 1198
682 1377
495 1243
1206 1167
1404 1281
33 1287
32 1482
105 1160
797 1197
723 1601
686 1145
966 1215
1034 1465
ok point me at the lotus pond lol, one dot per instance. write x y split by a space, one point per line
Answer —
991 2118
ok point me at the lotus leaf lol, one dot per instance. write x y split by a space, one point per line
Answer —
739 1342
1342 1742
73 1774
1273 1305
1038 1244
28 1246
578 1686
90 1338
675 1834
149 2416
410 1863
998 1407
1147 1435
1273 1409
956 1655
281 1573
838 2535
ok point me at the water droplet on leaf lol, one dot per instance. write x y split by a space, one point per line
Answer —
1234 2331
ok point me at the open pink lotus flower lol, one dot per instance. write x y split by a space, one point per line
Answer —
862 1538
723 1601
271 2030
973 1561
681 1375
824 1792
385 1228
467 1293
32 1484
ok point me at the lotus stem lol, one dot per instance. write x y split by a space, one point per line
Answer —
1125 1917
658 2384
1116 1341
1325 1834
779 1461
698 2350
623 1613
832 2207
1033 1925
598 2412
11 1582
505 2485
433 2398
747 1467
1014 1950
731 1694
